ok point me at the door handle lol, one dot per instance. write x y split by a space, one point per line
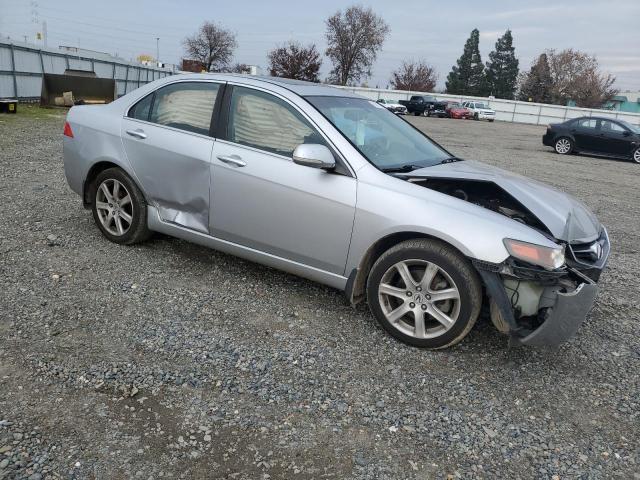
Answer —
137 133
234 160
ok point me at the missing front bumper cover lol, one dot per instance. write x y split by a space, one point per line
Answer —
563 319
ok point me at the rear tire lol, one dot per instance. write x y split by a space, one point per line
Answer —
119 207
563 146
403 286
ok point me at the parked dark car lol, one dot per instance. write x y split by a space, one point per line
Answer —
419 104
439 109
597 135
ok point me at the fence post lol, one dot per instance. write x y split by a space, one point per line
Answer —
41 64
113 70
126 81
13 70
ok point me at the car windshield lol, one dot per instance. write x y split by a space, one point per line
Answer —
480 105
454 105
633 128
384 139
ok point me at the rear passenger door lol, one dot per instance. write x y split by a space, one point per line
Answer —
585 133
262 200
166 137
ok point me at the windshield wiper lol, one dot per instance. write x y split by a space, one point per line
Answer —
451 160
403 168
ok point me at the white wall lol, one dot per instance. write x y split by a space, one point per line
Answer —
507 110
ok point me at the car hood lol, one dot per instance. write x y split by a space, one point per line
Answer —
566 218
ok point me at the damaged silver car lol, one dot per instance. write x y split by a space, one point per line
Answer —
330 186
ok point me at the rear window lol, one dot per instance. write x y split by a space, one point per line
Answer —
140 110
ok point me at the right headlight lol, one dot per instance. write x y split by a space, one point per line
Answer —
549 258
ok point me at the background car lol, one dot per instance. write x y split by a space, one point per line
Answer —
419 104
595 135
393 106
438 109
480 111
456 110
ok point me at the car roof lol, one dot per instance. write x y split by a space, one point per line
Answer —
302 88
595 118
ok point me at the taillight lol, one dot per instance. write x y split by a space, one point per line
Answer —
67 130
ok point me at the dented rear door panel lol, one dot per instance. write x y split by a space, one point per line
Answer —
173 168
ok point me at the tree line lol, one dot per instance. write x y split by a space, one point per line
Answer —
356 35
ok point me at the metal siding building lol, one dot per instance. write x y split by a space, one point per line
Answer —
22 66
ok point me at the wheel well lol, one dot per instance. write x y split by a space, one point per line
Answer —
357 283
94 171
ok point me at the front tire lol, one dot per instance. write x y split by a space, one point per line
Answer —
424 293
563 146
119 208
476 116
636 155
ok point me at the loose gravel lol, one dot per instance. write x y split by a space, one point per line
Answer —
168 360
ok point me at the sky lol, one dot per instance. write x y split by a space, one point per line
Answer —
430 30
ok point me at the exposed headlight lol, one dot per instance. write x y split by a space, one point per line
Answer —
549 258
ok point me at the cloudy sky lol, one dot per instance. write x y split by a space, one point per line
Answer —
420 29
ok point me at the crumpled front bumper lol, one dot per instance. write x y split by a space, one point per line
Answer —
564 318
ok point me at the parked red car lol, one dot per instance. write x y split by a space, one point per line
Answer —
456 110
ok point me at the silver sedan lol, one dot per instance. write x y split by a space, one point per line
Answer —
333 187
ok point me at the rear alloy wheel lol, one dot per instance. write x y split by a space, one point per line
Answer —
636 155
119 208
563 146
424 293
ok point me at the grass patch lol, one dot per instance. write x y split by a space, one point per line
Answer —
35 112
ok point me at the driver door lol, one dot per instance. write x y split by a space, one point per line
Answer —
262 200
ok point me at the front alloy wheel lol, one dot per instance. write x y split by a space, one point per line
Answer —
424 293
636 155
419 298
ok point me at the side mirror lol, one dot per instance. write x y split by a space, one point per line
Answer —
626 133
314 155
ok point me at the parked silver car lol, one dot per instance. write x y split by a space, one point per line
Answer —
331 186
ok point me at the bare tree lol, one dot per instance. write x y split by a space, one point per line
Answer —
236 68
576 76
354 39
415 76
295 61
211 45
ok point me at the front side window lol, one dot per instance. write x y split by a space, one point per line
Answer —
384 139
140 111
185 105
608 126
263 121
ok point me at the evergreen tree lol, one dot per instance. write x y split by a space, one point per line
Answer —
468 77
537 85
502 68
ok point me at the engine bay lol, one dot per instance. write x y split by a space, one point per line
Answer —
484 194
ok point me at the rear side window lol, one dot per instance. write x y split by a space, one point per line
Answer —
186 105
587 123
140 110
261 120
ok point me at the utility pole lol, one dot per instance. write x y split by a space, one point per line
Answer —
157 51
44 33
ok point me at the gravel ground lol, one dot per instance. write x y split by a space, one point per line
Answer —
168 360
